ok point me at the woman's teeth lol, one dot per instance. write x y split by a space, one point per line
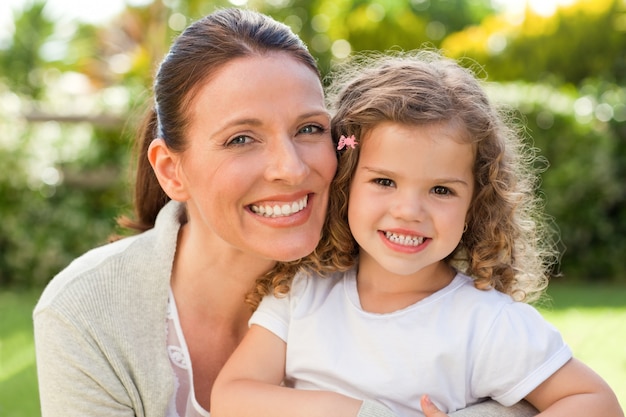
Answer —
280 210
404 239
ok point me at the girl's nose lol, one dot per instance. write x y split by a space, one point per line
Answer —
407 206
286 163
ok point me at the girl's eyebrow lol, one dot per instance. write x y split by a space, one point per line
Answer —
447 180
452 180
378 171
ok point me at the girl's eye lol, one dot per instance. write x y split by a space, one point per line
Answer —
384 182
239 140
441 190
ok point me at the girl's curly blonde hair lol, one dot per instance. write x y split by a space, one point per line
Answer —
508 244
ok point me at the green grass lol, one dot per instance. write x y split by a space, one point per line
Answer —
592 319
19 396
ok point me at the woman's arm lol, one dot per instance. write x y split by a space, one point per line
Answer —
485 409
494 409
249 385
74 377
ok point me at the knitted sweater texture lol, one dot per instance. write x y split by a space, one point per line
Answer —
100 337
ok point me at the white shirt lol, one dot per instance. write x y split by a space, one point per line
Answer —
458 345
183 403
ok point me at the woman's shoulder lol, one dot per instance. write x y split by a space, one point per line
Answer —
91 273
94 259
116 271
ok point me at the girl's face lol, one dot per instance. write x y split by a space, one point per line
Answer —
409 197
260 158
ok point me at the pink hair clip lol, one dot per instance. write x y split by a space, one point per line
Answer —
346 141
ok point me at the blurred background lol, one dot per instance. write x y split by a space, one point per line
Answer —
75 80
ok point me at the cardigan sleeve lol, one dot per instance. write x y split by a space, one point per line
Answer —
75 378
494 409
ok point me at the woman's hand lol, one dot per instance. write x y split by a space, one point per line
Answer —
485 409
430 409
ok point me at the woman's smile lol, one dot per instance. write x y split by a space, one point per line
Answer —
280 209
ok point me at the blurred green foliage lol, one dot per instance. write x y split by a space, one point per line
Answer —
72 94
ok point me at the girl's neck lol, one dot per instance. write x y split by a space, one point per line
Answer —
381 291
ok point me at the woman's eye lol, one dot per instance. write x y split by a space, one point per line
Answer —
311 129
239 140
384 182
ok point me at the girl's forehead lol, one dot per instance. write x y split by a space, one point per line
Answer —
445 129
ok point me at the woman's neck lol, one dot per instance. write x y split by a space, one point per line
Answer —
209 283
214 279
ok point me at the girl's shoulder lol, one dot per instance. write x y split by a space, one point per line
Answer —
312 282
467 286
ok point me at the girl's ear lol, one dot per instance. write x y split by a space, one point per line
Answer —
165 164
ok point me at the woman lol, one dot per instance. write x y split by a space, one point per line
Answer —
243 149
234 169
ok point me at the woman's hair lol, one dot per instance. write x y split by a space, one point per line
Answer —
195 56
507 244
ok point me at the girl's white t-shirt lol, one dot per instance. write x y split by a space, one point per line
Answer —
460 345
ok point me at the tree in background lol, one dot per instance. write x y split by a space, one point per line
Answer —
566 74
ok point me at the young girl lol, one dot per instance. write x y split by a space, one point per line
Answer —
438 242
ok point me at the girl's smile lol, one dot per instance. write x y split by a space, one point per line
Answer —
402 241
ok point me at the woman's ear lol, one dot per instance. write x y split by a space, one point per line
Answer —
165 164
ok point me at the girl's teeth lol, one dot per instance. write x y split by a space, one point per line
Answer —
282 210
404 240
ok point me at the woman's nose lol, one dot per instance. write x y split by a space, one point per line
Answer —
286 163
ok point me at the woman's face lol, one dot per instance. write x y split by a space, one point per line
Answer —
260 158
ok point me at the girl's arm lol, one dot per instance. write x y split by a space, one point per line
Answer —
249 386
575 390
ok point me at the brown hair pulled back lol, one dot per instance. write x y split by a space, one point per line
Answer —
198 52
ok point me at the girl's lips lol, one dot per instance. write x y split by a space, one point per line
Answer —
282 209
404 239
403 242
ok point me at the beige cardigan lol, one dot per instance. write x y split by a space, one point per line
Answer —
100 331
100 328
